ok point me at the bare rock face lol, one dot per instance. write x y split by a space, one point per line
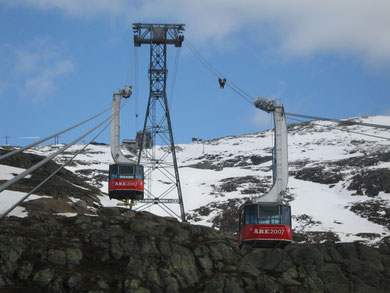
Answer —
61 187
371 182
123 251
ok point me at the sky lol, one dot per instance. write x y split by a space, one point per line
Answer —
61 61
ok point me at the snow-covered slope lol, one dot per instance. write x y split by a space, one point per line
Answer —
339 186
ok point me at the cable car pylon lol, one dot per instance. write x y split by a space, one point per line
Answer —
157 123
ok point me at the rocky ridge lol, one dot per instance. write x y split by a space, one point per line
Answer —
122 251
65 192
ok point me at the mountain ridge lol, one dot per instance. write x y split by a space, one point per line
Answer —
338 178
136 252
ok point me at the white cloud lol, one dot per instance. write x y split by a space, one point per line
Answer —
80 8
42 83
297 27
34 68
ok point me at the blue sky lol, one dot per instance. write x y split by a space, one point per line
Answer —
62 60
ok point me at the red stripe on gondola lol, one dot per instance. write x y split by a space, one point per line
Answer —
126 184
265 232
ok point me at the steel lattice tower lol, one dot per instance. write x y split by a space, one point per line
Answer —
157 119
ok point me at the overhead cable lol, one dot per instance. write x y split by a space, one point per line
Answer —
61 167
360 133
238 93
211 68
345 122
49 137
218 74
51 175
44 161
172 91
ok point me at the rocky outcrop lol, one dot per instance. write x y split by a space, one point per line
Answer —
61 187
318 174
371 182
123 251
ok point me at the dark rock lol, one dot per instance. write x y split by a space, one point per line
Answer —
146 253
363 161
206 165
375 210
57 257
257 160
319 175
43 277
371 182
60 186
73 256
24 271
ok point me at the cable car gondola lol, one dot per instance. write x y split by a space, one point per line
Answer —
126 181
265 221
126 178
264 225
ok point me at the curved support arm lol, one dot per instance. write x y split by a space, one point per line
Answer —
280 161
116 152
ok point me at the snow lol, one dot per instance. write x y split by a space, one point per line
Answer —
66 214
330 208
7 172
316 143
9 198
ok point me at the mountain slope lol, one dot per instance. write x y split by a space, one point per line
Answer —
338 186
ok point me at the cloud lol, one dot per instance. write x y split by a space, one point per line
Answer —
34 67
43 81
79 8
291 27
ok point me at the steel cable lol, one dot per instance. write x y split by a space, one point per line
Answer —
51 175
49 137
61 167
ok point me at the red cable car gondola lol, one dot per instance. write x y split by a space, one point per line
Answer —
126 178
265 221
264 225
126 181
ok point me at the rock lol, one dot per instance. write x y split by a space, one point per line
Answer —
43 278
56 285
131 284
207 265
214 286
80 207
74 281
333 278
146 253
2 282
73 256
57 257
24 271
371 182
319 175
184 266
232 286
101 283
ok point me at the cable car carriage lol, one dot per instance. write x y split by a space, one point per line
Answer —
126 178
265 221
265 225
126 181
